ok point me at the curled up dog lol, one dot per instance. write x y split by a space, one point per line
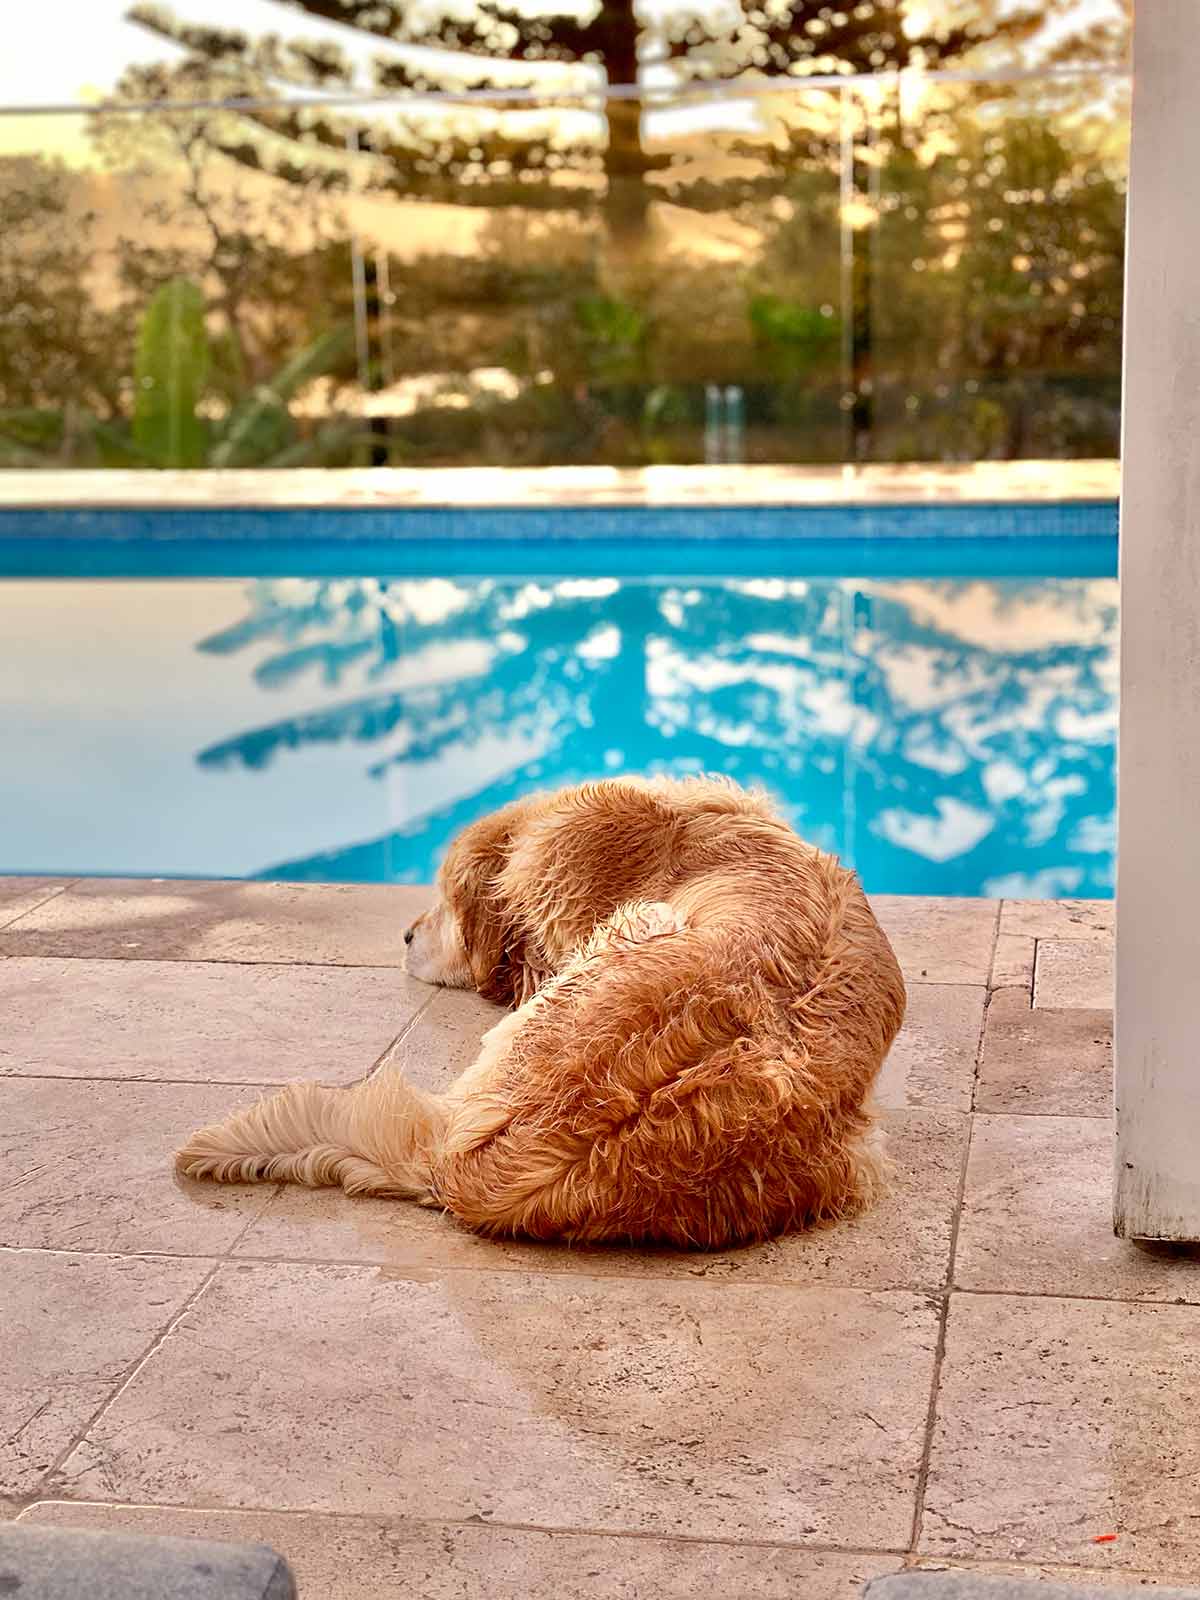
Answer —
701 1004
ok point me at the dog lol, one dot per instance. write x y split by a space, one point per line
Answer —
702 1002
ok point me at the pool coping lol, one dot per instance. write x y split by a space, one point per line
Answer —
450 488
1017 519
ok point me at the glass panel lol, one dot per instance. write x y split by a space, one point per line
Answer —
988 270
907 268
163 306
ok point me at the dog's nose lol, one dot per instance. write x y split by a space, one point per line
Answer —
408 935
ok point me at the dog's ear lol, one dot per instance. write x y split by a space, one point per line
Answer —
491 943
504 974
495 945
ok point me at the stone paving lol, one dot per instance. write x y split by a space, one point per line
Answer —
741 483
976 1374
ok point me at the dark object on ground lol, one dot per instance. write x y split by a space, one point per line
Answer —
981 1586
69 1564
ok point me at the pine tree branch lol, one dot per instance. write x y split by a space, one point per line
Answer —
297 63
394 74
492 30
467 170
861 38
317 63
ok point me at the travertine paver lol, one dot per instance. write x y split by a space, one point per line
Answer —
1043 1062
87 1166
1074 973
1091 920
1037 1217
787 1414
399 1405
362 1558
1013 961
1060 1421
1026 924
19 895
72 1326
746 483
444 1040
147 919
932 1062
939 941
206 1022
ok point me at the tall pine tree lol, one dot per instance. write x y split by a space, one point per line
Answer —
512 156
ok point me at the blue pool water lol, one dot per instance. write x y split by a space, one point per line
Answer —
946 723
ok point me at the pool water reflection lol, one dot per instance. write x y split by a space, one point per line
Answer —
945 737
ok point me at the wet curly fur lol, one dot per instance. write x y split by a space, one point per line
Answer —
702 1003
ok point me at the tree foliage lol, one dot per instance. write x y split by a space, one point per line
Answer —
172 424
56 338
504 156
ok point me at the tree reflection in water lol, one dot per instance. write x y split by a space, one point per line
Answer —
945 737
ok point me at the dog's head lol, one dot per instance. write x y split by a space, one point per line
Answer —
467 939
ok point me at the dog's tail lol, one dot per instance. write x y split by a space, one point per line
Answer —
377 1137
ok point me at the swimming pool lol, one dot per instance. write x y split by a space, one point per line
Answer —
287 695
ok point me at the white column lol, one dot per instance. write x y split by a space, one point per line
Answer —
1158 872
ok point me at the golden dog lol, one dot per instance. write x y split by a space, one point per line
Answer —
702 1003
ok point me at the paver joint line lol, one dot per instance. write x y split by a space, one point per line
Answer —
26 911
956 1217
551 1530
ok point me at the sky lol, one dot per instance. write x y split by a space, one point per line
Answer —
77 49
